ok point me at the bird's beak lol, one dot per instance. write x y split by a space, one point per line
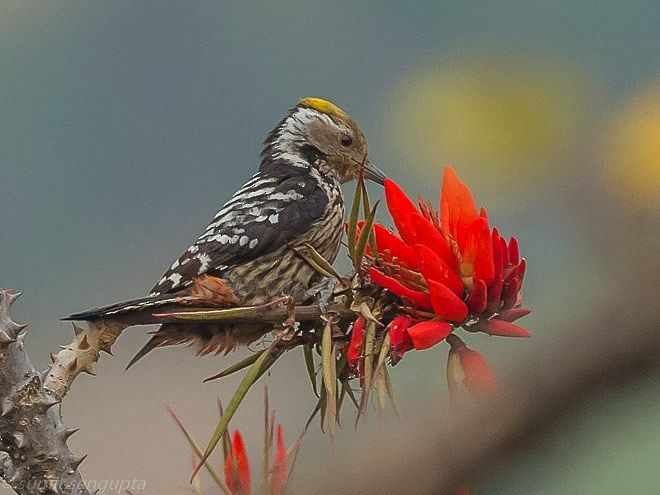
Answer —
372 172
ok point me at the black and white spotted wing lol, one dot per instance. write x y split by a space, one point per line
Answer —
268 211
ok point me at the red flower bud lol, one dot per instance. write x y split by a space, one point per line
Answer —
477 250
401 208
417 298
427 234
237 467
426 334
478 298
280 473
446 304
479 378
457 207
505 328
511 293
514 252
399 337
434 268
355 347
513 314
390 244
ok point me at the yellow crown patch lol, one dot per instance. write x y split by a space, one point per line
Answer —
323 106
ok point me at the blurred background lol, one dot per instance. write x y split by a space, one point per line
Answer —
125 125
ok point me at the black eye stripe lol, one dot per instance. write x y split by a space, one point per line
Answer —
346 140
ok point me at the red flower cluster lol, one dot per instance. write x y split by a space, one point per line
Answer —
450 270
237 466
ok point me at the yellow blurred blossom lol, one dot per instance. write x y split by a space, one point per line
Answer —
632 148
499 114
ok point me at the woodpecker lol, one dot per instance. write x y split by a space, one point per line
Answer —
247 255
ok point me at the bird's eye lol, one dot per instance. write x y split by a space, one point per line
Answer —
346 140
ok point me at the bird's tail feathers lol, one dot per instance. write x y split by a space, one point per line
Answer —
126 307
205 338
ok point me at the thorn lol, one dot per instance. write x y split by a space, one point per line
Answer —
106 347
6 339
15 329
84 343
47 403
88 369
76 462
13 296
7 406
20 439
73 365
77 329
52 357
68 432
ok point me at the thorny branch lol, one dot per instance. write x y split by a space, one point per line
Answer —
34 456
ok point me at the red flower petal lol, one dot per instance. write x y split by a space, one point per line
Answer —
237 467
479 378
457 207
513 314
446 304
504 328
401 208
511 293
477 250
426 334
478 297
419 299
427 234
399 337
495 290
434 268
355 347
505 251
389 243
514 252
280 472
498 262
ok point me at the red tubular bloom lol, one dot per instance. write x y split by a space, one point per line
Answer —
390 244
426 334
457 207
462 270
419 299
478 298
237 467
514 253
428 235
477 248
434 268
513 314
479 379
511 293
401 208
355 346
399 337
446 304
505 328
280 473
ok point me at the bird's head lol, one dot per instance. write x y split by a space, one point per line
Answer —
317 132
